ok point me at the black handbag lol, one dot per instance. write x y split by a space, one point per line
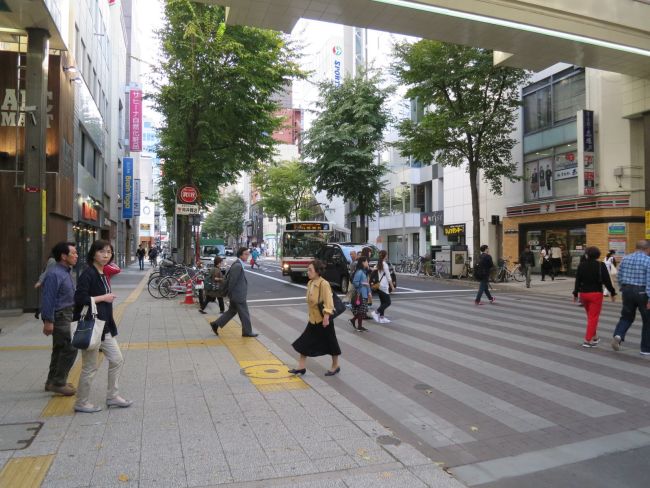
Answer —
339 306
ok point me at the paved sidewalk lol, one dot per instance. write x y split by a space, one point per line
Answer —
208 412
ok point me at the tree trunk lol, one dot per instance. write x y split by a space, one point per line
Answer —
476 223
362 227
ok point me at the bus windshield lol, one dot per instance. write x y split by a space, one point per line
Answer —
302 244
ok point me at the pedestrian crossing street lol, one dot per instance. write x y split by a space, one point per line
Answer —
471 384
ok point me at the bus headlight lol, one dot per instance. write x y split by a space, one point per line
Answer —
286 266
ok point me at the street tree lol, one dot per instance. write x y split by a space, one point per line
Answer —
227 219
285 188
470 112
344 140
214 90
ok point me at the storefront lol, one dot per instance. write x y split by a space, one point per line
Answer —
573 225
86 230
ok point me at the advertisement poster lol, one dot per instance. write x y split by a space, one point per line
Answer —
619 245
127 188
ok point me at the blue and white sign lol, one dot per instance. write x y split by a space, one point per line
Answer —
127 188
136 197
337 53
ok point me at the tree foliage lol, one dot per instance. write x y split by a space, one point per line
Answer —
227 219
285 188
470 112
214 89
344 139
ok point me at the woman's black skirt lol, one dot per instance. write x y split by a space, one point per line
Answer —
317 340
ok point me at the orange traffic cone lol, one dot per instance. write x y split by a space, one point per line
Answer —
189 296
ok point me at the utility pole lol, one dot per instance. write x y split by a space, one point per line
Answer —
404 185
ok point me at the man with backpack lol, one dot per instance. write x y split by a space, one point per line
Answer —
482 273
527 262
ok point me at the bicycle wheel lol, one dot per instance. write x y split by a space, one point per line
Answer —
169 287
153 285
517 275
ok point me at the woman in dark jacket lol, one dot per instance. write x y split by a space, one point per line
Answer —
94 283
590 278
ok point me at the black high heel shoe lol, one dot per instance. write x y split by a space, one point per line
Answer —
298 371
332 373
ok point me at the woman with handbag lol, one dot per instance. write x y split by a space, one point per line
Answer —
93 284
319 337
361 294
384 287
215 277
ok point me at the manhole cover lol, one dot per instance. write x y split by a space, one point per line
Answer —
388 440
266 372
18 436
422 386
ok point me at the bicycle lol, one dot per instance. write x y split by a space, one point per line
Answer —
439 269
504 274
171 286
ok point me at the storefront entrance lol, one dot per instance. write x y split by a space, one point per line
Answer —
571 240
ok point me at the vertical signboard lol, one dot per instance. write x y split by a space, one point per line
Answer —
136 197
127 188
586 152
135 120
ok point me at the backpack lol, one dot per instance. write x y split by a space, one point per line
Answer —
373 280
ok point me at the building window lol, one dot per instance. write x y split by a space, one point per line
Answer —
551 173
554 100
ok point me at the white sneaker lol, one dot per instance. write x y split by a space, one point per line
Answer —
375 317
384 320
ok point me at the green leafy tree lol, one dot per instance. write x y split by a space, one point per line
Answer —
227 219
285 188
344 139
471 112
215 89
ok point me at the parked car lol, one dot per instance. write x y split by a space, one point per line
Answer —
336 257
229 251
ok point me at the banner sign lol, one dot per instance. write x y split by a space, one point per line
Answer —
136 197
127 188
135 120
454 230
588 152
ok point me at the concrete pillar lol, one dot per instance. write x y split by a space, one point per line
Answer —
646 158
35 125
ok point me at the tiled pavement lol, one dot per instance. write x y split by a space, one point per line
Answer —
197 420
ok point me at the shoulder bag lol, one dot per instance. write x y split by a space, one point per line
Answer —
339 306
86 333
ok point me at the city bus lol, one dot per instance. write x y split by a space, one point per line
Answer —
302 240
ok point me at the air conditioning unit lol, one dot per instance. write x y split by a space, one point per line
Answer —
618 171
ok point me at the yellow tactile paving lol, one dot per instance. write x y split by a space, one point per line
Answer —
25 472
191 343
263 369
25 348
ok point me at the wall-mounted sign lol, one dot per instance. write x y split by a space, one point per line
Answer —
135 120
454 230
136 197
587 146
614 228
619 245
127 188
432 218
89 212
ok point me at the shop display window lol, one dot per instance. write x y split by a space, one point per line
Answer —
551 173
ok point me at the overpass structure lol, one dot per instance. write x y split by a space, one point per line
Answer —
612 35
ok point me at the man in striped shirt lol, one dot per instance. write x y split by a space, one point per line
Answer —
634 280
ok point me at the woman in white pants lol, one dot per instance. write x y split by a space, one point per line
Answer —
93 283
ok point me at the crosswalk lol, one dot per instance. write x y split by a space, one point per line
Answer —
477 384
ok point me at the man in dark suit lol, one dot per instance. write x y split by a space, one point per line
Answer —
236 287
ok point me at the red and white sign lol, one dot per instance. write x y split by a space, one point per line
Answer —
188 194
135 120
